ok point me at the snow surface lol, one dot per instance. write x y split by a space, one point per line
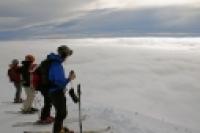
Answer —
134 85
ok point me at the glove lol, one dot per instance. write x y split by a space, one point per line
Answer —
75 99
72 75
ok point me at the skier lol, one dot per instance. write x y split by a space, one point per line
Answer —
14 76
28 66
57 87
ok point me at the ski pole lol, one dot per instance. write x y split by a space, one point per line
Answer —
79 106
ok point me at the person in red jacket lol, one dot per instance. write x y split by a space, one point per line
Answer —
14 76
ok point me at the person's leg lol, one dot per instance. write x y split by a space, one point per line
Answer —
30 93
25 104
18 92
46 110
31 97
59 102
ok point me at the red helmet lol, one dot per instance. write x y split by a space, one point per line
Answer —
29 58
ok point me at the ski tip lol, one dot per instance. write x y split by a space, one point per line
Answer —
108 128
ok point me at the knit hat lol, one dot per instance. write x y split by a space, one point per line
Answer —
29 57
64 51
15 61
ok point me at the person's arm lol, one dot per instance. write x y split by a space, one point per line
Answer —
57 76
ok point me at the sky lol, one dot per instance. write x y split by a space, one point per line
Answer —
25 15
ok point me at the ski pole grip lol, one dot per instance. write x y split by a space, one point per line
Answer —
79 89
72 72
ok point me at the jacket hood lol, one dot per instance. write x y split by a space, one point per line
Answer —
54 57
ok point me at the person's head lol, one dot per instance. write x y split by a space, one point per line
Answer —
15 62
64 51
30 58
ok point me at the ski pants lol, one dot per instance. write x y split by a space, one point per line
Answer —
30 95
59 103
46 110
18 88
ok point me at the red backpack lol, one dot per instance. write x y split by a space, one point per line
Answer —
34 77
40 80
14 74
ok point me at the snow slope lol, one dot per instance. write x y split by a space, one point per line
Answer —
134 85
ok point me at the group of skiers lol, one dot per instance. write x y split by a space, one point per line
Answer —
49 78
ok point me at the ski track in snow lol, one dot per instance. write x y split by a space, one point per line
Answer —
138 85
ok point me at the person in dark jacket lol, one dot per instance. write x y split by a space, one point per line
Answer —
14 76
27 66
58 84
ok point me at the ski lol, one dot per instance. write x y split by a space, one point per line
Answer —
68 120
9 102
37 131
22 124
100 130
21 112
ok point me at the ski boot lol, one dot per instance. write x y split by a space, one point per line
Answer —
18 100
47 120
29 111
66 130
34 109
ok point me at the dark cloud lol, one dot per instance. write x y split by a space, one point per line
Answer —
34 12
170 21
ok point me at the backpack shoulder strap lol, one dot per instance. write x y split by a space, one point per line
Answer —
33 67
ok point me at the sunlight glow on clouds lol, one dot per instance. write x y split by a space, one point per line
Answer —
22 14
138 3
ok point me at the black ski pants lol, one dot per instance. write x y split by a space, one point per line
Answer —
18 91
59 103
46 110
